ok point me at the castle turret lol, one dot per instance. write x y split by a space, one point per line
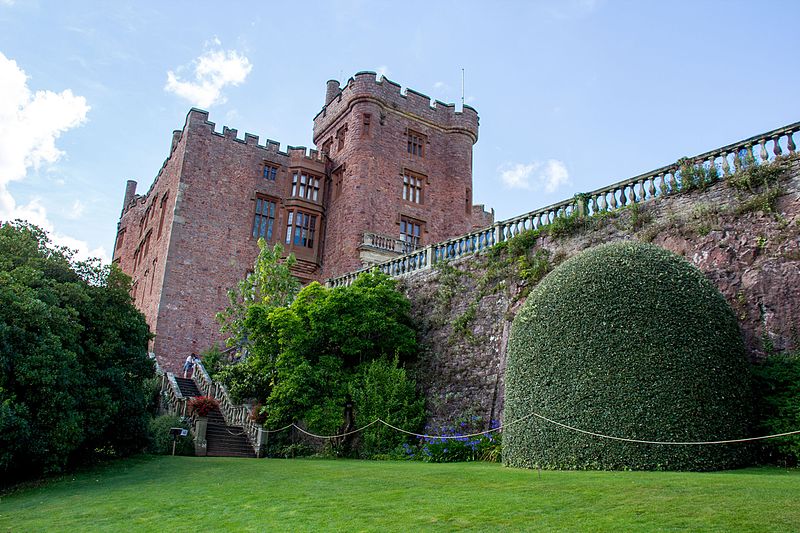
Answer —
130 193
401 171
332 91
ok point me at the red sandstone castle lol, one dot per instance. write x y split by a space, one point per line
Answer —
393 172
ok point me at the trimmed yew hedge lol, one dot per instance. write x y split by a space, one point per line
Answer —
630 340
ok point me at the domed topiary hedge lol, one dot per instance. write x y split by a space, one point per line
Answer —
629 340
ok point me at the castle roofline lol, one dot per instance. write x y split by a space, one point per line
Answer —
366 86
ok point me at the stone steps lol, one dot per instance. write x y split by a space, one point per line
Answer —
222 440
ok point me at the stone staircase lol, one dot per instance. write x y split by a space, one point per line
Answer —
187 387
222 440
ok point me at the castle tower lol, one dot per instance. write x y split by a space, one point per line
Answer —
400 169
397 175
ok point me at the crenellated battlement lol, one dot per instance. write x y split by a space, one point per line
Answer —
198 119
365 86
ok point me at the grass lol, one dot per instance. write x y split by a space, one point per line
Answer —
220 494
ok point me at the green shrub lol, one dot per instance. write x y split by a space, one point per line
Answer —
381 389
627 340
74 371
161 441
777 389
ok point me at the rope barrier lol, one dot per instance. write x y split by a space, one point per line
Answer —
358 430
542 417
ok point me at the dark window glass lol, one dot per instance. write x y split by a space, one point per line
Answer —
264 219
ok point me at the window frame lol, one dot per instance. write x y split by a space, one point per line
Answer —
270 172
416 142
411 241
302 234
306 186
259 218
413 187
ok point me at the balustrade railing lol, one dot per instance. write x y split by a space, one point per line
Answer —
389 244
234 414
171 393
725 161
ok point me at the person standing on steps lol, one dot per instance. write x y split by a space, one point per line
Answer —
188 365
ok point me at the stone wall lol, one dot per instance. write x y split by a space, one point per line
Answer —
746 242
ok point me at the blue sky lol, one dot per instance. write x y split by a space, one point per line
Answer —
572 94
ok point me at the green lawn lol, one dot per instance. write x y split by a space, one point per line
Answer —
220 494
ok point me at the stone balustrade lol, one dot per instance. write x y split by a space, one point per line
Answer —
234 414
170 392
724 161
384 242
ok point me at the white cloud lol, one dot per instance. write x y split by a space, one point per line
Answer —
546 176
30 123
75 211
382 71
212 71
439 85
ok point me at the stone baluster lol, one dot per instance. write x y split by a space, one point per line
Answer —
776 146
613 201
762 144
726 169
790 142
712 164
651 186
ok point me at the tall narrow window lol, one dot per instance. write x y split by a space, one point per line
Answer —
153 276
412 188
340 135
300 229
270 172
161 216
365 127
146 249
416 143
305 186
264 219
410 234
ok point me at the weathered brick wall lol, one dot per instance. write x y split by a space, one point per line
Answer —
373 159
207 243
752 256
151 214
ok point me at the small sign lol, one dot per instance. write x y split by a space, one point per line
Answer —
184 432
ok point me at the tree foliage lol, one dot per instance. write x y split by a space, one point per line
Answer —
271 284
627 340
777 388
305 357
73 357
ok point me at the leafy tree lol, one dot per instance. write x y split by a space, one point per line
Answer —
271 284
73 357
303 358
